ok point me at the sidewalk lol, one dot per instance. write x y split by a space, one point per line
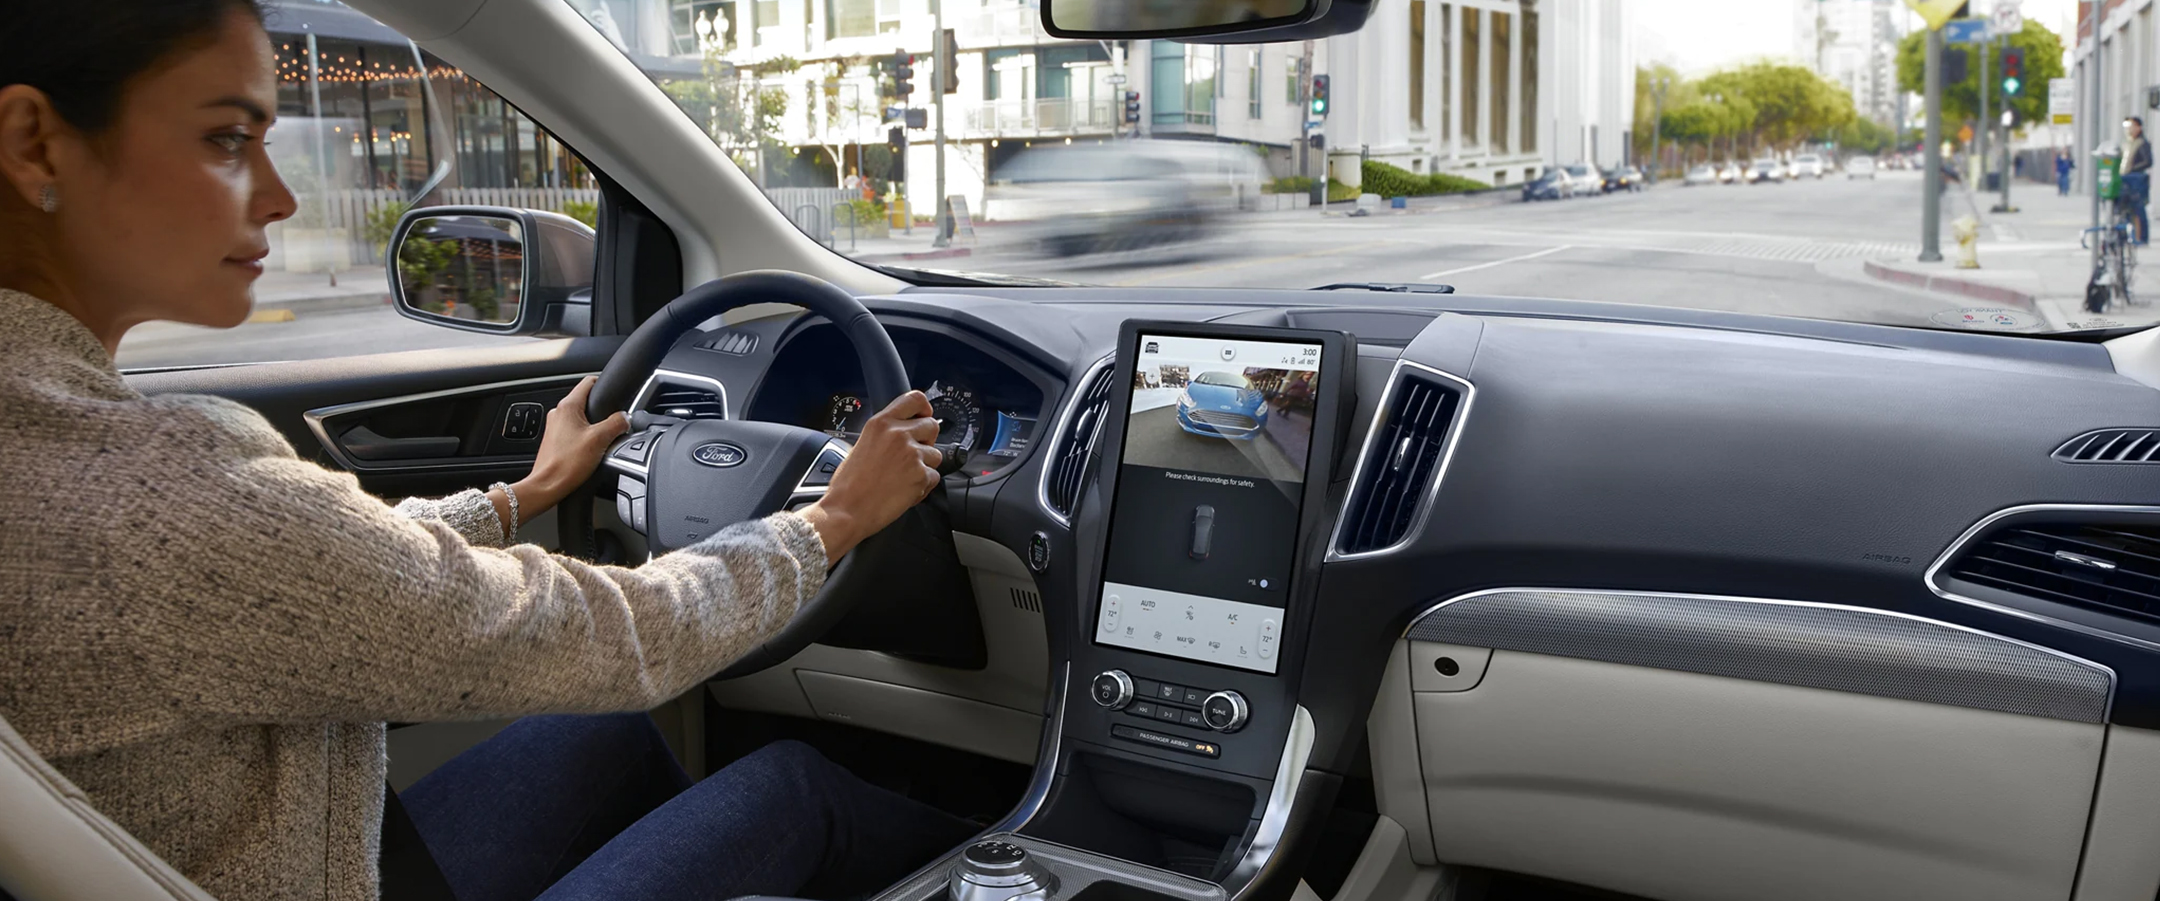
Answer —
282 296
2031 264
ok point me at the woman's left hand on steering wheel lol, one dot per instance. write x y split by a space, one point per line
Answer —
892 467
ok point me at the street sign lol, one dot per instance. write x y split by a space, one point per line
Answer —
2062 100
1964 31
1965 133
2006 20
1936 12
1116 78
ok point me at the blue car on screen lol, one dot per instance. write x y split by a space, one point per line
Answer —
1222 405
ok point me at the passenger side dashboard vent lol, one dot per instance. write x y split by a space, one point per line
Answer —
1409 446
2112 446
2109 567
686 402
1075 441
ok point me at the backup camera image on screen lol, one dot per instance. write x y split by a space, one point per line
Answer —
1203 527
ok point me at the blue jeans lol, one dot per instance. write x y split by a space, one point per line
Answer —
595 807
2136 190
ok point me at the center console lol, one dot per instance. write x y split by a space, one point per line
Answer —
1177 750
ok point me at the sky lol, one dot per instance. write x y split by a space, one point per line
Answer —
1700 36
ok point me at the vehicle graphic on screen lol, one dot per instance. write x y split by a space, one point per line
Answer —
1222 405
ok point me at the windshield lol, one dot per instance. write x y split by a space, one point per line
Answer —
1142 162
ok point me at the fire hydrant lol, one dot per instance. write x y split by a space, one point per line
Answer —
1967 230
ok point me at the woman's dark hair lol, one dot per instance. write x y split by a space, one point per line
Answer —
83 54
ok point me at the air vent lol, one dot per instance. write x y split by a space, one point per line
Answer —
1026 600
729 342
686 402
2112 446
2112 567
1074 443
1401 460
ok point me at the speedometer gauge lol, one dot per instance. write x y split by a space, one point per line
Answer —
956 408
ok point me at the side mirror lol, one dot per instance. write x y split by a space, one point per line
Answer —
493 269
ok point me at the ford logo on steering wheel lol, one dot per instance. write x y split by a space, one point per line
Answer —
719 453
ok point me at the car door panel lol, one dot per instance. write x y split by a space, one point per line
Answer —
443 411
1680 748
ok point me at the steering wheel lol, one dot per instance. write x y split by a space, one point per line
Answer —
702 475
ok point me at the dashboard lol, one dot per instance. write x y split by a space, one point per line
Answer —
984 404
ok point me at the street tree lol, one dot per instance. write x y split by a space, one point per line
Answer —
1961 101
736 108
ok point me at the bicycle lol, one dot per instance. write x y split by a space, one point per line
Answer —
2116 266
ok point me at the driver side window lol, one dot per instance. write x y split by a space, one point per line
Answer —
368 126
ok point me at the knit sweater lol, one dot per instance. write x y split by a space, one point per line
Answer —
206 633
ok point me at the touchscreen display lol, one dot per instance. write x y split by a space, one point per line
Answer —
1203 529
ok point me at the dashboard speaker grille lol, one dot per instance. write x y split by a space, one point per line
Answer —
1075 443
686 402
2112 446
2113 568
1405 454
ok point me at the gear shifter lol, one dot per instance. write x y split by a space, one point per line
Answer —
995 870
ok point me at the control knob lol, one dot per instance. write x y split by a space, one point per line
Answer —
1224 711
995 870
1112 689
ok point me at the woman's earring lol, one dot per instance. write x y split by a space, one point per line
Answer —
48 199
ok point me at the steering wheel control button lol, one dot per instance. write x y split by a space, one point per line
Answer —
821 471
1112 608
720 454
1038 555
638 447
1112 689
523 421
1225 711
1166 741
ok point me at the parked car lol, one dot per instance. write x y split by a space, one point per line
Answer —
1551 184
1860 167
1702 174
1585 179
1765 169
1623 178
1731 173
1222 405
1808 165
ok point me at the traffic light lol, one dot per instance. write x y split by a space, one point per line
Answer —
903 73
1953 66
2013 73
1319 95
897 139
948 67
1132 107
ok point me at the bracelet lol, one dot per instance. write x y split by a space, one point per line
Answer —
509 534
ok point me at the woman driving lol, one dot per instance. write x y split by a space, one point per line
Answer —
207 632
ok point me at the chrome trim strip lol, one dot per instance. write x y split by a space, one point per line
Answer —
315 418
1366 451
1057 434
1275 818
1934 570
645 391
2112 681
1046 761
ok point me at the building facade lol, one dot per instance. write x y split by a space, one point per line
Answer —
1854 43
1492 90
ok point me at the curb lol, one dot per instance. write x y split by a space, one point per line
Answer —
940 254
1949 284
324 304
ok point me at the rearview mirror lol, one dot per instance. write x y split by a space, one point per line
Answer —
1203 21
493 269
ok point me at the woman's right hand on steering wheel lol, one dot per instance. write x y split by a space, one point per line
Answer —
892 467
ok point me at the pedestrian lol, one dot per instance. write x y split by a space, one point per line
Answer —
2063 165
2136 175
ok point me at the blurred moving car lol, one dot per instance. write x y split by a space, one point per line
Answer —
1222 405
1701 174
1765 169
1087 198
1585 179
1860 167
1551 184
1807 165
1731 173
1623 178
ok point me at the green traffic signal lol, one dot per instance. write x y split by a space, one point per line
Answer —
2010 87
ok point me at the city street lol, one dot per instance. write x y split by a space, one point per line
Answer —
1794 249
